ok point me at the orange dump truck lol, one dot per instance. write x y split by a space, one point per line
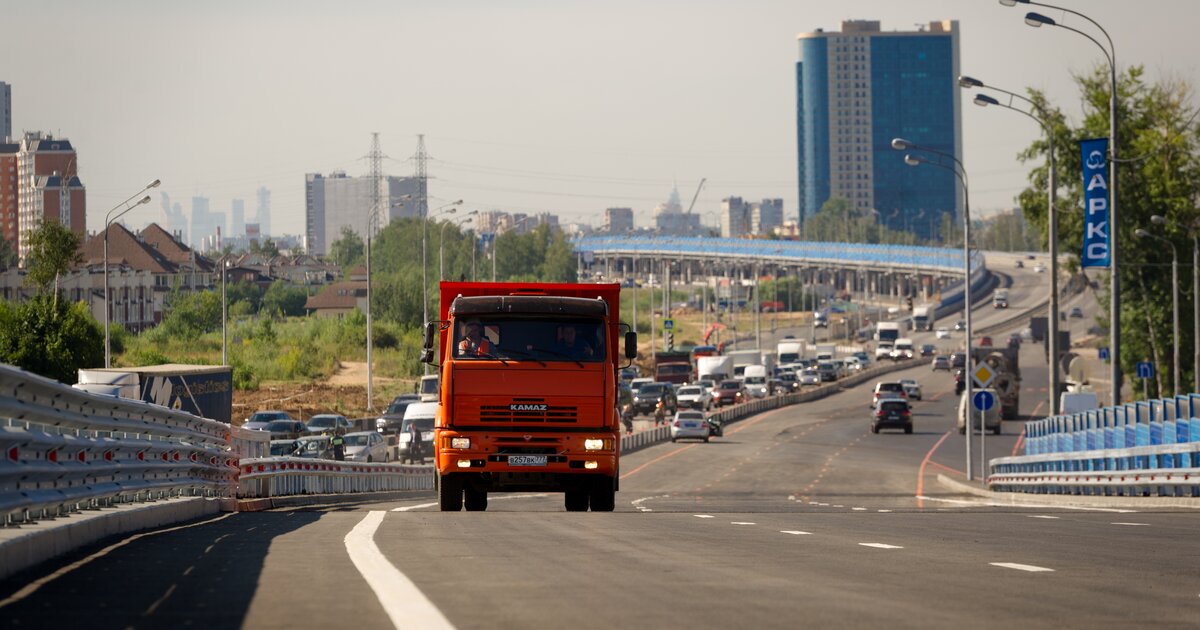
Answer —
528 396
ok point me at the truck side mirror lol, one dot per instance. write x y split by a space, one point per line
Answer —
631 345
431 330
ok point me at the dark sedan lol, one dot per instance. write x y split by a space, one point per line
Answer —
286 429
650 395
892 413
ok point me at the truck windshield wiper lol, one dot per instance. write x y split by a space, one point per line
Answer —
559 354
523 353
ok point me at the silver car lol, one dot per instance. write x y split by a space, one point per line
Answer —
912 388
366 446
809 376
694 397
689 425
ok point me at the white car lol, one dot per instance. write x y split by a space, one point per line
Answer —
912 388
689 425
694 397
1039 268
808 376
942 333
366 446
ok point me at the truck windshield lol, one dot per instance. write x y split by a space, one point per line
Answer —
528 338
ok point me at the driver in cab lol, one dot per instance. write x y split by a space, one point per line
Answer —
474 344
571 345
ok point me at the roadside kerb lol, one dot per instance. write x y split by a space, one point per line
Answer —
1052 500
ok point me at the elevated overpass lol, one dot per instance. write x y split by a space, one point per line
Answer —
879 271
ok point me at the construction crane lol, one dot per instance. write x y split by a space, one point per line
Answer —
695 196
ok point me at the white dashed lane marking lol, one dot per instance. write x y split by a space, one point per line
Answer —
703 515
1042 516
741 523
794 532
1133 524
1021 567
880 546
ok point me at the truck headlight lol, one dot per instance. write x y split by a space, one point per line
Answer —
460 442
593 444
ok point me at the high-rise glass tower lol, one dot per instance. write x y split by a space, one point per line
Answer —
857 90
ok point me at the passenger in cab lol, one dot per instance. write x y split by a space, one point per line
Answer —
570 344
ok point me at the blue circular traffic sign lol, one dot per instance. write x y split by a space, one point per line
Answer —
983 400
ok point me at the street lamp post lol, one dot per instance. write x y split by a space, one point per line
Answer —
1140 233
224 316
424 265
960 172
1043 120
442 243
108 221
1038 20
1194 233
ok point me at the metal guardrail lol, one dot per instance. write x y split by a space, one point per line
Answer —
1139 448
65 450
282 476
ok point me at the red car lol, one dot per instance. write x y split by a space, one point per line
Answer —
730 392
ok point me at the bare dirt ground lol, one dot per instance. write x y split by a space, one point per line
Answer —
344 392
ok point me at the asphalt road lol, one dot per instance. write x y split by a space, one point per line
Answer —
798 517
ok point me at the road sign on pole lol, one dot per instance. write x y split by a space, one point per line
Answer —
983 375
983 400
1104 353
668 324
1145 369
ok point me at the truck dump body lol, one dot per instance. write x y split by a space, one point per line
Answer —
528 392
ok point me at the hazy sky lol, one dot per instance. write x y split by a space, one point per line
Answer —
542 105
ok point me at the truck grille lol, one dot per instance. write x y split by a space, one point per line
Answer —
528 410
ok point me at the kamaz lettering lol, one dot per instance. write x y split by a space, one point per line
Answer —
528 407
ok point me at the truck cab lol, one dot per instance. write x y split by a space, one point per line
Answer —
528 387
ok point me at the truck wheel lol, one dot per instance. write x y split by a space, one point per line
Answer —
476 500
450 493
603 495
908 428
576 500
874 428
997 430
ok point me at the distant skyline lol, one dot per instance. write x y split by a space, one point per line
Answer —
527 106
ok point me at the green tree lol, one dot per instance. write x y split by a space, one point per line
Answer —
244 292
348 249
190 314
51 338
8 254
1159 174
53 251
285 299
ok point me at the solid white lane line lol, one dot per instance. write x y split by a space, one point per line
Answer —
880 546
1133 524
414 507
1042 516
403 602
703 515
1031 506
794 532
1021 567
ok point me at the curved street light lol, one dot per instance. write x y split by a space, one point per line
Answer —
1194 232
1043 120
1140 233
109 219
900 144
442 242
1038 20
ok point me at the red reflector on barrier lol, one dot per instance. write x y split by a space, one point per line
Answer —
194 457
81 456
14 453
52 456
141 456
261 468
108 456
175 456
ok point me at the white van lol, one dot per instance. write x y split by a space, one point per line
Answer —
429 388
991 417
755 379
1075 402
422 414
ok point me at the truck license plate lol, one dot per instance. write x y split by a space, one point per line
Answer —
526 460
